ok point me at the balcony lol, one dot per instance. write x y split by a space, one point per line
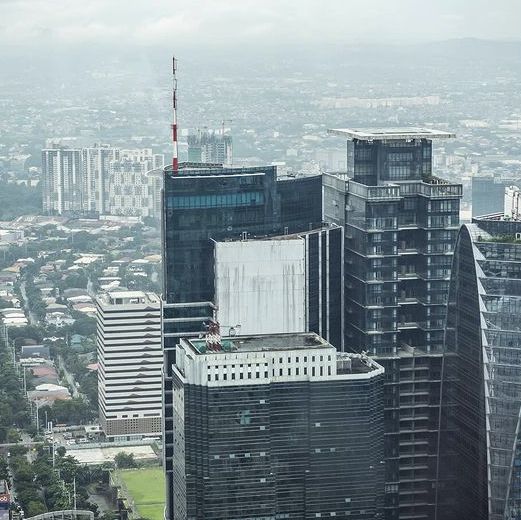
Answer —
408 276
408 325
387 192
408 250
405 300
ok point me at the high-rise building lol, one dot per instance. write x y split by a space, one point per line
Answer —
210 147
102 180
130 362
274 426
96 168
400 228
62 177
134 189
480 440
202 206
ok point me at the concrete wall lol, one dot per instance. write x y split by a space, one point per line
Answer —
261 285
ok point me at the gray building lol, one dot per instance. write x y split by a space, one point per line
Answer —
204 205
488 193
400 228
274 426
479 473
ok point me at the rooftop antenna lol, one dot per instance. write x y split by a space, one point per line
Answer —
175 159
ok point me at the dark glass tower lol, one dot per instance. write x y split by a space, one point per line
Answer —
275 426
480 440
400 227
203 204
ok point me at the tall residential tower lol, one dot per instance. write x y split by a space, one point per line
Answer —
400 228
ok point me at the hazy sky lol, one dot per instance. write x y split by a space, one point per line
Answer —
204 22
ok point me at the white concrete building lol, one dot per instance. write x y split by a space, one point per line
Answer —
134 189
96 162
130 362
62 179
512 203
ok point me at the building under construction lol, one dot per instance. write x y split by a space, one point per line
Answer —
210 146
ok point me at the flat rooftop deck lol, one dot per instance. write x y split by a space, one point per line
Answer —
263 343
388 134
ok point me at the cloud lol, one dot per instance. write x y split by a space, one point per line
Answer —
159 22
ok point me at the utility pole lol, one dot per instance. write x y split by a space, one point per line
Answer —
53 446
74 492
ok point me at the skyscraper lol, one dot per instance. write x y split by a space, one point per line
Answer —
400 227
96 166
203 206
130 360
62 178
274 426
480 443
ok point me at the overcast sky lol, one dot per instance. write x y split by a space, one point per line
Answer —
204 22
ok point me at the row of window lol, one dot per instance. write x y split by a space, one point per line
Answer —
215 201
282 372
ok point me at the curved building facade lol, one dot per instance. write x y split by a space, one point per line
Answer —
479 468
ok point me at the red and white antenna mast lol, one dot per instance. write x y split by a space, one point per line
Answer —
175 159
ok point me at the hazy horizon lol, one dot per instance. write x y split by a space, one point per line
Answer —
203 23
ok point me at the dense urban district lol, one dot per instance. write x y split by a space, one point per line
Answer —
307 306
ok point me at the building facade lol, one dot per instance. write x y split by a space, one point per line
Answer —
285 283
130 361
62 177
400 228
274 426
480 445
134 189
96 167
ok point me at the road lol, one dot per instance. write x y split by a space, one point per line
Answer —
33 320
69 378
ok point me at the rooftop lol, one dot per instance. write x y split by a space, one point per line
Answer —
263 343
211 169
388 134
129 298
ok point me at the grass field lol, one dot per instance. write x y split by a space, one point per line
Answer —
147 487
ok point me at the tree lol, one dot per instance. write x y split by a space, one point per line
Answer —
18 199
4 469
84 326
61 451
72 411
35 507
125 460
